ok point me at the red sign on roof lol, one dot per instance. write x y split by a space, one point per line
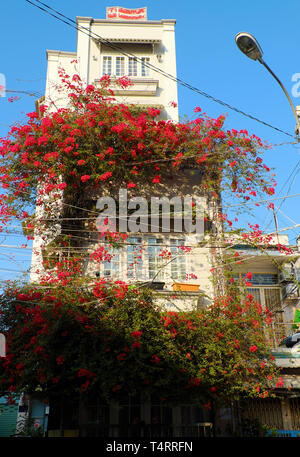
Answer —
117 12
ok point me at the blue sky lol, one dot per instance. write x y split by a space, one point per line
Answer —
207 57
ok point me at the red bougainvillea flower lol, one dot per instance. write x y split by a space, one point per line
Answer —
115 388
155 359
253 348
156 179
249 275
60 360
136 334
121 356
207 406
105 176
84 372
85 178
136 344
280 382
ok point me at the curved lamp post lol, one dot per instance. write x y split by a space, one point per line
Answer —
250 47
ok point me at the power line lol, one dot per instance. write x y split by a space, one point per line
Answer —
294 170
261 201
154 68
26 92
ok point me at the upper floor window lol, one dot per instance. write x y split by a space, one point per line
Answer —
144 68
260 279
125 66
132 67
107 65
178 268
144 258
120 66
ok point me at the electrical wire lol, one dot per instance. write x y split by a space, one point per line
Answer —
26 92
296 167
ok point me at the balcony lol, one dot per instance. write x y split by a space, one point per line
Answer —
141 86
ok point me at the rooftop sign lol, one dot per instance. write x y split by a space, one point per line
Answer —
117 12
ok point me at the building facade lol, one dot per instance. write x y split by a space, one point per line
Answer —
124 46
127 44
275 285
137 48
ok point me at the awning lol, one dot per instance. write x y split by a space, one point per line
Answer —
129 40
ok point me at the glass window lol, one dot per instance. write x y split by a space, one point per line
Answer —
263 279
145 69
272 299
134 257
106 65
178 268
154 258
120 66
255 293
112 266
132 66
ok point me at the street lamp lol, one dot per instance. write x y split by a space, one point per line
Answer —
250 47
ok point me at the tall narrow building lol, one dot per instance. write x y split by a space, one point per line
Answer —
123 44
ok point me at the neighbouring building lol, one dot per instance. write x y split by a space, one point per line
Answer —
275 285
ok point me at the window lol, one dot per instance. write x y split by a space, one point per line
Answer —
125 66
178 269
270 298
263 279
267 297
107 65
134 257
259 279
132 66
154 258
112 266
120 66
145 69
146 258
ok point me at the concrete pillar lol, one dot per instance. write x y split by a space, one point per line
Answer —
169 65
83 47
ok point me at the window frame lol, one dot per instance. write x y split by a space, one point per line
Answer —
120 264
136 62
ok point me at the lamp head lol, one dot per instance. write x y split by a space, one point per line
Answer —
249 46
